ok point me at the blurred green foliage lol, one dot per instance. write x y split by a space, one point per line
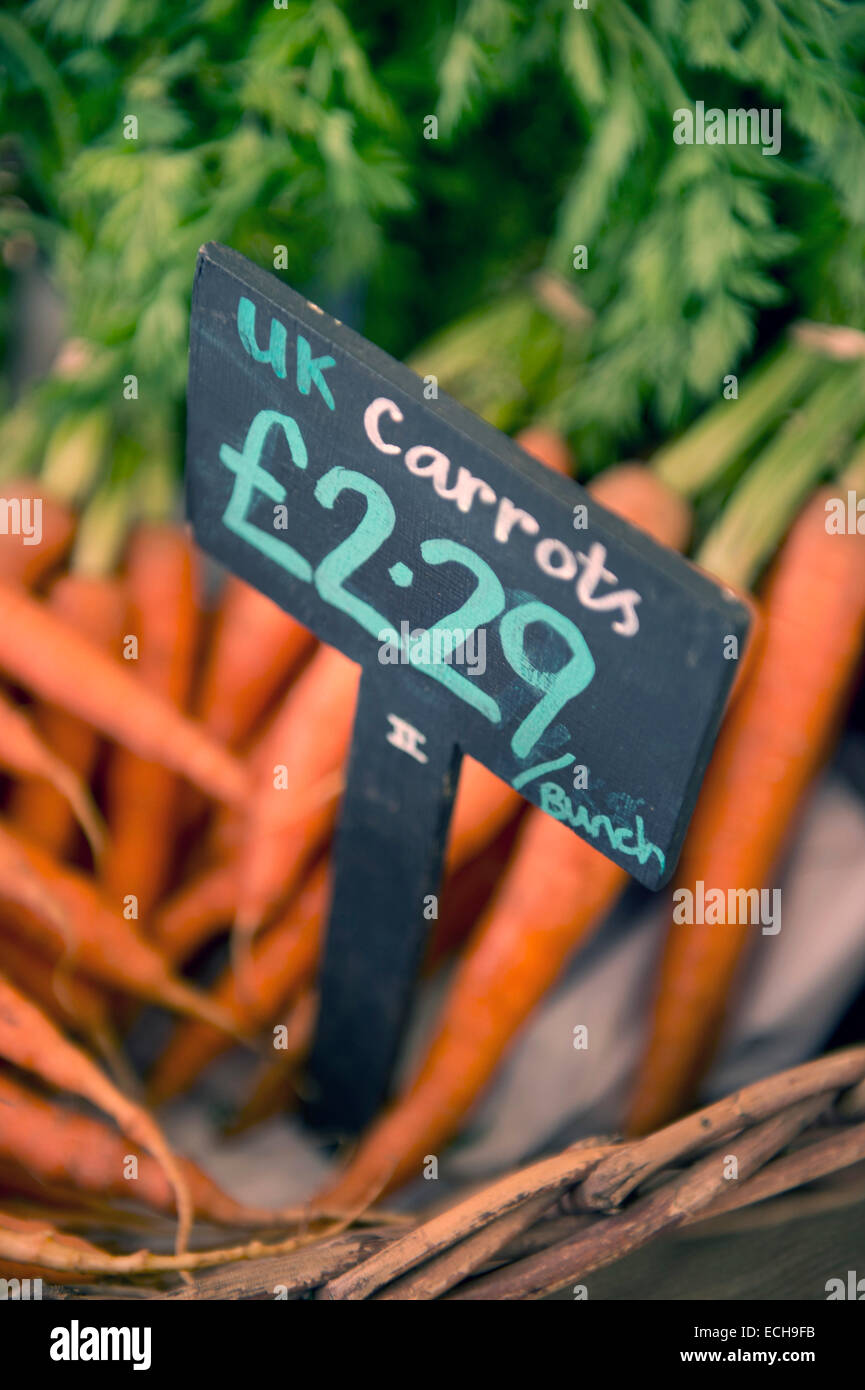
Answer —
304 126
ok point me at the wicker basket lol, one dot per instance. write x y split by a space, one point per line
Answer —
550 1224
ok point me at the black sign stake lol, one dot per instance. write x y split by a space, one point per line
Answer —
389 848
495 609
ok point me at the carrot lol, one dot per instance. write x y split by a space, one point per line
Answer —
50 659
72 920
15 1269
548 447
201 906
468 889
20 883
483 806
162 584
296 780
93 606
29 1236
772 744
31 1041
40 1246
255 648
65 1149
23 753
20 561
68 998
282 959
635 494
555 892
273 1087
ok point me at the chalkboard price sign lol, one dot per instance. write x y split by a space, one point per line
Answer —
495 609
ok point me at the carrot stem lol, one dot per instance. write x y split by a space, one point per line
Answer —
723 434
102 531
853 477
764 504
74 454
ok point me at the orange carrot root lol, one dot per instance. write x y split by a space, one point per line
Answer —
53 661
62 914
93 607
32 1042
280 962
162 587
548 447
288 821
23 752
67 1149
20 561
255 648
772 744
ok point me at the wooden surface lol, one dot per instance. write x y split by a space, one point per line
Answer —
784 1250
789 1260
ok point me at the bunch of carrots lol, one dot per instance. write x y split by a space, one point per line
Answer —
143 742
164 799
